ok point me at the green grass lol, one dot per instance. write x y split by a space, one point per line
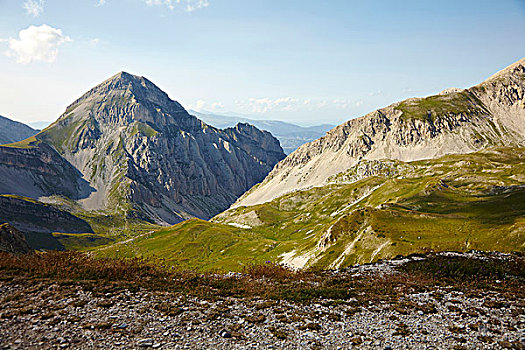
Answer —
81 241
446 204
143 129
429 108
27 143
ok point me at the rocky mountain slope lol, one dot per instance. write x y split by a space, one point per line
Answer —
12 240
455 121
290 136
11 131
132 150
39 222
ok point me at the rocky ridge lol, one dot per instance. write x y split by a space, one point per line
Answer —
458 121
11 131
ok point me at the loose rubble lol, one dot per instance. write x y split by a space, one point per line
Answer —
43 314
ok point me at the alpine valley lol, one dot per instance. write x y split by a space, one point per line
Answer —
128 172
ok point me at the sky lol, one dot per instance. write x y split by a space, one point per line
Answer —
302 61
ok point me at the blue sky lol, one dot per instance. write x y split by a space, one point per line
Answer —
307 61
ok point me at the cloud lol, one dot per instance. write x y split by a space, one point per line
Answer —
201 106
36 44
263 105
34 7
94 42
189 5
291 104
196 4
101 3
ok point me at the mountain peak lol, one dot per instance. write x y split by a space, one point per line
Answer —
126 95
125 77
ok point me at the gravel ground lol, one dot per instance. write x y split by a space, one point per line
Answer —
50 315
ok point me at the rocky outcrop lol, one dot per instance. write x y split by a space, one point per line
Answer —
12 240
11 131
143 155
38 170
455 121
39 221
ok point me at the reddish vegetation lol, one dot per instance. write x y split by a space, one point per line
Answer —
271 281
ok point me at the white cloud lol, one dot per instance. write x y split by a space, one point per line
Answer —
263 105
291 104
201 106
196 4
37 44
34 7
94 42
189 5
101 3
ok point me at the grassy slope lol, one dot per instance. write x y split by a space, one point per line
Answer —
455 103
445 204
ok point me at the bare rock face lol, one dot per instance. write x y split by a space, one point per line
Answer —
12 240
144 156
455 121
39 170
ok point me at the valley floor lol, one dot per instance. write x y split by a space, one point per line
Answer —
444 301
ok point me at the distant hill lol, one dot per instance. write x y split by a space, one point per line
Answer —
11 131
290 135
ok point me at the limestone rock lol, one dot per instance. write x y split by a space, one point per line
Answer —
457 121
143 155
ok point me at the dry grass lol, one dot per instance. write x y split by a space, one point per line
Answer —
271 281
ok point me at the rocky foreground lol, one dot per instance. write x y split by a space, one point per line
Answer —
392 306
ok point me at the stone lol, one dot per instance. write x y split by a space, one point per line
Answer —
145 343
225 334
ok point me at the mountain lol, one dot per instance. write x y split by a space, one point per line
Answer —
290 135
442 173
455 121
11 131
126 148
375 210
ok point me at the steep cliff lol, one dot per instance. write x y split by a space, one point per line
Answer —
38 170
455 121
